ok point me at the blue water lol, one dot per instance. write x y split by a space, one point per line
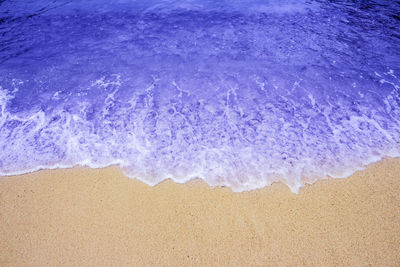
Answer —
237 93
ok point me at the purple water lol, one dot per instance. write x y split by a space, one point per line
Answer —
237 93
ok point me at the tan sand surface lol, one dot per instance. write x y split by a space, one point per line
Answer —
98 217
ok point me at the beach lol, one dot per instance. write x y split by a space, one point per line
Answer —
99 217
199 133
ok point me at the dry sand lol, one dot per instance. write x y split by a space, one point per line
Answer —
98 217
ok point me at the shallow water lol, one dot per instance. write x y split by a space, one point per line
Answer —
238 93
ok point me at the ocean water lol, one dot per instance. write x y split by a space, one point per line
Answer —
237 93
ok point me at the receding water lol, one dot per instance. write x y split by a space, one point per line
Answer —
238 93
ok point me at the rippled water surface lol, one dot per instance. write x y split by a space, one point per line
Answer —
238 93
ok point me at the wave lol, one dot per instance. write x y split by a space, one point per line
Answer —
239 97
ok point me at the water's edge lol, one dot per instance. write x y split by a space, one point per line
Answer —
293 190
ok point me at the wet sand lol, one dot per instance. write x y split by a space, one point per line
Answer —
98 217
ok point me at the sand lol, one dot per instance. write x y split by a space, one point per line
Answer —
98 217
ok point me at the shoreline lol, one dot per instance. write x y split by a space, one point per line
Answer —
305 180
83 216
